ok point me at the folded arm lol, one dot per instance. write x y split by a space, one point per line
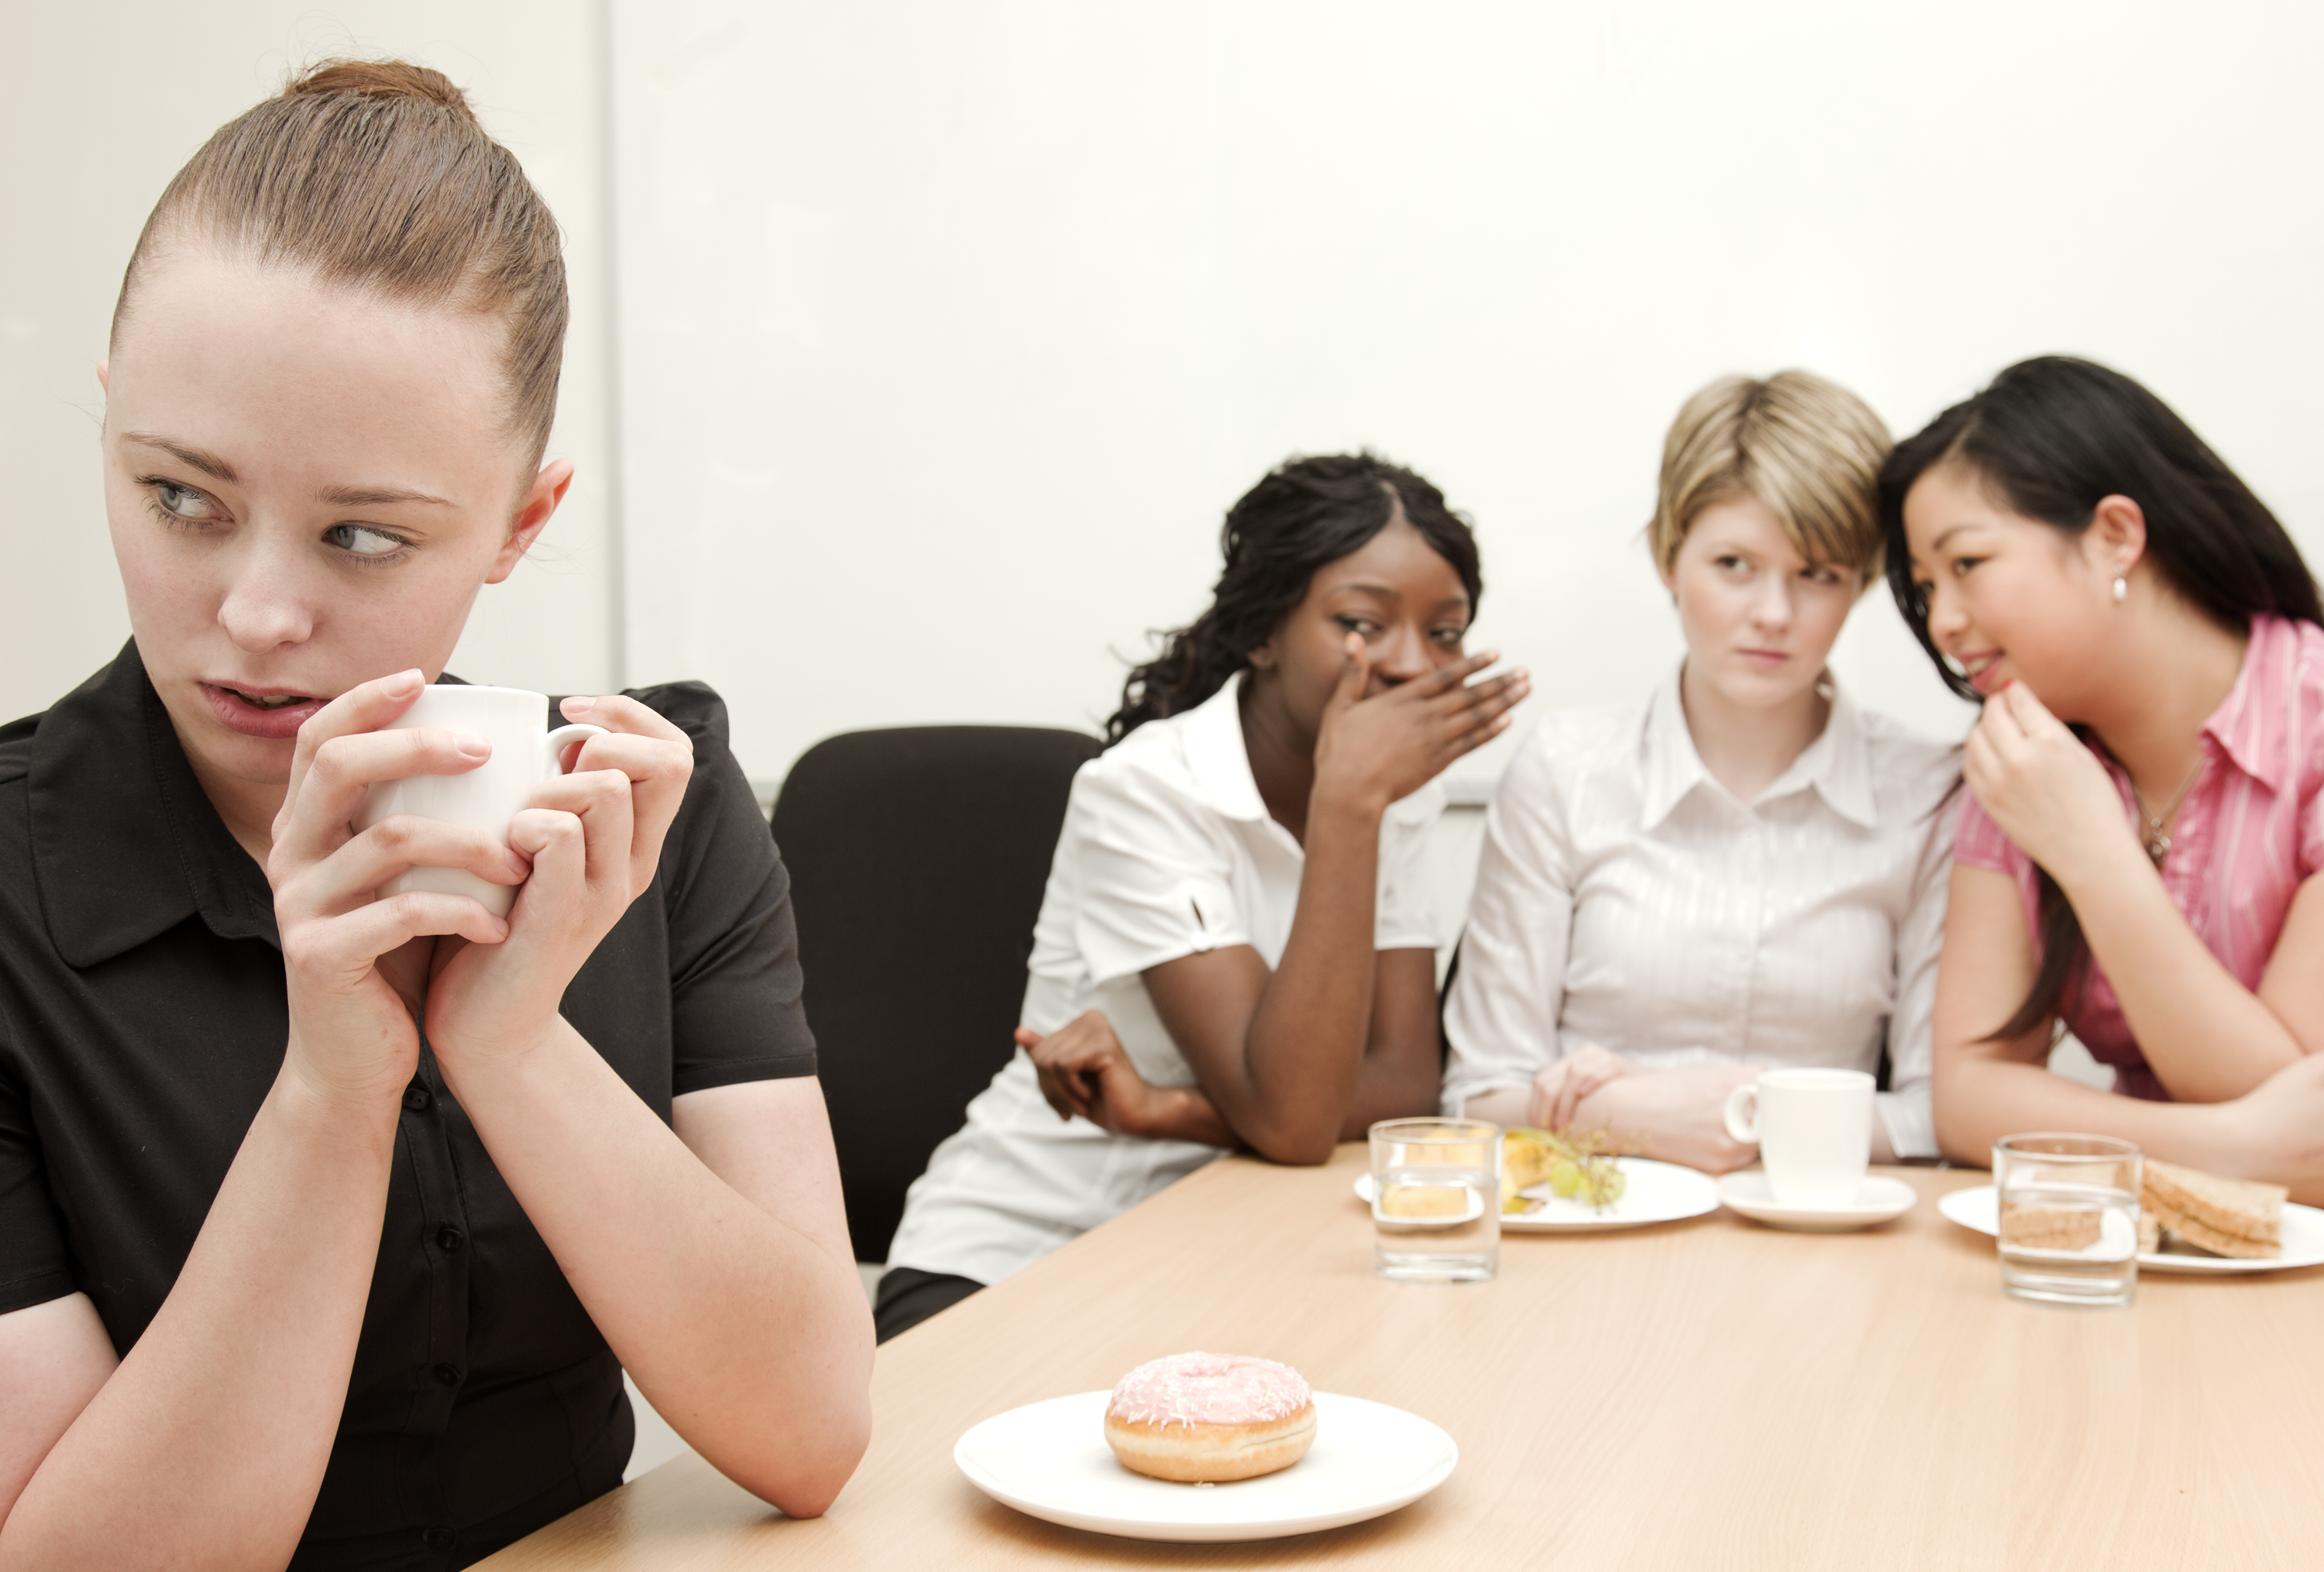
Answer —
1986 1089
2206 1036
1085 1072
715 1257
206 1446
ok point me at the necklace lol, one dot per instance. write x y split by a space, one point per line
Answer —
2157 838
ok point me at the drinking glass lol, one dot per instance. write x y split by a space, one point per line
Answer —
2069 1217
1436 1199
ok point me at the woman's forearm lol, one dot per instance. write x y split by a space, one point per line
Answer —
1506 1106
1304 1054
206 1447
1979 1099
1182 1114
749 1338
2206 1037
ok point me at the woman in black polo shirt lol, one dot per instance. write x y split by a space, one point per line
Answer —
327 1222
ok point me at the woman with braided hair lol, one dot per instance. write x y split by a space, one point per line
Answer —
1237 946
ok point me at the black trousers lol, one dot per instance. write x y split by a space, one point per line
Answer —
908 1296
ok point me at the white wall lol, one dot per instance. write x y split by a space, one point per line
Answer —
105 103
950 330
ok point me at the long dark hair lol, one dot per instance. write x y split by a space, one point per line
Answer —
1307 512
2055 436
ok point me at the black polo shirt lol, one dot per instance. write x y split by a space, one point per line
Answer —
143 1020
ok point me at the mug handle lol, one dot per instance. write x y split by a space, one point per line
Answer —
552 746
1745 1131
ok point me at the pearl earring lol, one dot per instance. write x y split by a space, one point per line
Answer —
2121 588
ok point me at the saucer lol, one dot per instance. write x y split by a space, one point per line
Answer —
1878 1198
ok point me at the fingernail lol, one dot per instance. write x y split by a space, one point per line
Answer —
403 683
474 747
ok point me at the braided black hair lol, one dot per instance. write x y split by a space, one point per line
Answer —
1306 513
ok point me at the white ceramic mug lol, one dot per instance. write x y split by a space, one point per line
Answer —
525 752
1813 1128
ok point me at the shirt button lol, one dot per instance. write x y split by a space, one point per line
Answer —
439 1539
416 1098
449 1239
449 1375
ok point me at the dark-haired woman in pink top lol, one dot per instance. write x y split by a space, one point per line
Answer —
2144 813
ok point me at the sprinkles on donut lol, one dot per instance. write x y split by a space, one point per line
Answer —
1210 1418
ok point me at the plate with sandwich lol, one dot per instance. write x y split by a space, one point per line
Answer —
2189 1221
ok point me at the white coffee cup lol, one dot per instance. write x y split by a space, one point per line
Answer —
1813 1128
525 752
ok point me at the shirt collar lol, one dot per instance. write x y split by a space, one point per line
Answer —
1672 767
1837 765
2262 693
125 843
1216 754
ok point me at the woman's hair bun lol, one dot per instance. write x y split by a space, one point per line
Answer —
381 79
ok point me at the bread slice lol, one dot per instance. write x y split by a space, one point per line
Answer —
2191 1231
2236 1209
2048 1227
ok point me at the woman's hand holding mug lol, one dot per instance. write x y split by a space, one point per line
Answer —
591 839
356 962
366 888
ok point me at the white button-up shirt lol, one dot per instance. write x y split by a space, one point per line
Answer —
1626 898
1167 850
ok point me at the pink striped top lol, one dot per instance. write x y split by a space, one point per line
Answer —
2251 830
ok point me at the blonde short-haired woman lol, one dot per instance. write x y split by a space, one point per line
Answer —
1742 869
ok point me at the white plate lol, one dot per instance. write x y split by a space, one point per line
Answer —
1476 1209
1656 1192
1050 1460
2303 1235
1878 1198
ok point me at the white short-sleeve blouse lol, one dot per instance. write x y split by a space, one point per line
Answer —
1627 899
1167 850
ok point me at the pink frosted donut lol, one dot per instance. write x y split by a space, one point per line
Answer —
1199 1418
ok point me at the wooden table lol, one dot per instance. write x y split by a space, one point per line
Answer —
1701 1394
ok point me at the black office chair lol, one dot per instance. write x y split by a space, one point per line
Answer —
917 858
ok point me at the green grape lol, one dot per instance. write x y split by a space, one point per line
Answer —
1566 1177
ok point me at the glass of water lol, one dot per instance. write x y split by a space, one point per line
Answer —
1436 1199
2069 1217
